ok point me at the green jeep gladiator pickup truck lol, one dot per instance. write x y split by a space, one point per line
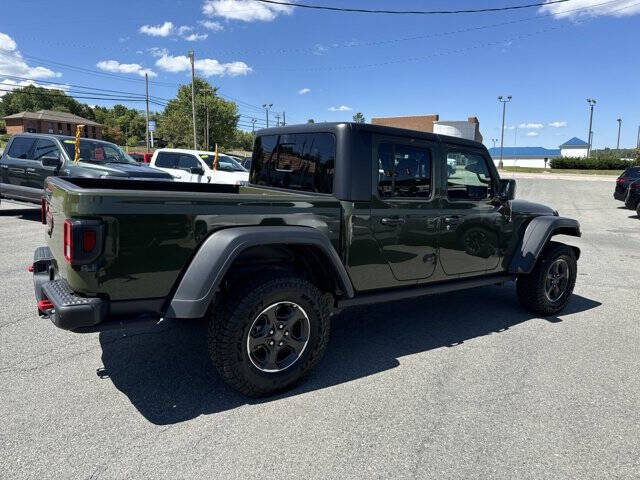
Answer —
335 215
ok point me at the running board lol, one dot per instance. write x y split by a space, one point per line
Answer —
401 294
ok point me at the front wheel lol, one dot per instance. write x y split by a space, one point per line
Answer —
547 289
266 336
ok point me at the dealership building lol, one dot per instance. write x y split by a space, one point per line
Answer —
538 157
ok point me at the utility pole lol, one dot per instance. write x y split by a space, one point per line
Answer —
504 109
206 135
146 95
277 119
619 126
266 107
284 121
253 126
494 140
193 98
638 139
591 103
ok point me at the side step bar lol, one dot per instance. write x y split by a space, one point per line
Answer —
412 292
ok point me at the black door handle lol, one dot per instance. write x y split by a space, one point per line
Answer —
392 221
451 220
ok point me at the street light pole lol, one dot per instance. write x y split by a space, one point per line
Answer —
193 99
504 109
619 126
591 103
494 140
266 107
253 126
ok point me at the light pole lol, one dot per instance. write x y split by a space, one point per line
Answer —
494 140
266 107
193 99
277 119
619 126
591 103
504 109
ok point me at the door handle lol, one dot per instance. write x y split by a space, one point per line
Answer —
392 221
16 170
451 220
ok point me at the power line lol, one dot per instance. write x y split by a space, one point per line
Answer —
54 94
410 12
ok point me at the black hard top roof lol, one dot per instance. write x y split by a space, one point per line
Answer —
367 127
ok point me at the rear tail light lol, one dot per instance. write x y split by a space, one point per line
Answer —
67 241
82 241
620 180
634 186
43 210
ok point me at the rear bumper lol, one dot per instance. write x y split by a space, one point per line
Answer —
67 310
619 195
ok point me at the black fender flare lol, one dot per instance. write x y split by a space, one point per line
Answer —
536 237
218 252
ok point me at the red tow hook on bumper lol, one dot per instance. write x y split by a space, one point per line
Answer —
44 305
30 268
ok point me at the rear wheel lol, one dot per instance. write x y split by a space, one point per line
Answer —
547 289
265 337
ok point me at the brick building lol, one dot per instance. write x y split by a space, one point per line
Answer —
48 121
469 129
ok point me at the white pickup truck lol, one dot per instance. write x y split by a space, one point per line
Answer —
196 166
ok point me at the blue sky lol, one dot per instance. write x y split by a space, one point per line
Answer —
327 66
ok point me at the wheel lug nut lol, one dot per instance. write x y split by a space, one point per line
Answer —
280 344
286 334
270 332
281 326
271 343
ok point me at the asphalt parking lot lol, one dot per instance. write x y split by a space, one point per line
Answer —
464 385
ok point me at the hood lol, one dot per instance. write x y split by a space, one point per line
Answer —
523 207
125 170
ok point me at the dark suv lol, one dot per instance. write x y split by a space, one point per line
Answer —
630 175
29 159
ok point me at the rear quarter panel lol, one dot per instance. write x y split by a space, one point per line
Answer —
152 236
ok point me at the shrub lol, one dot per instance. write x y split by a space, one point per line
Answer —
597 163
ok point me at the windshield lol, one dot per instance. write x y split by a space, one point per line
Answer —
225 163
98 152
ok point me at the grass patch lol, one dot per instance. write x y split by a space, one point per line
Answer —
543 171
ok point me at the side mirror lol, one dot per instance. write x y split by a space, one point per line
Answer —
507 189
196 171
50 162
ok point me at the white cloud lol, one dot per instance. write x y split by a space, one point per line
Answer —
163 30
244 10
117 67
158 52
211 25
12 63
581 8
184 29
205 66
534 126
509 127
558 124
7 85
532 134
195 37
302 91
341 108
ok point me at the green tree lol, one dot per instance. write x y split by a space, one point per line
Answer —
175 123
311 120
359 118
243 141
32 99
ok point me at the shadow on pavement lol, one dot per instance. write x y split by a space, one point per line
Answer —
167 375
32 214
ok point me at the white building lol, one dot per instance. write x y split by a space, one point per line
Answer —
538 157
457 128
574 148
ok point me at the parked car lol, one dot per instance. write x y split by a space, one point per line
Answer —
141 157
269 263
197 166
633 195
30 158
630 175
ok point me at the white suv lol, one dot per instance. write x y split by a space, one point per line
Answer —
197 166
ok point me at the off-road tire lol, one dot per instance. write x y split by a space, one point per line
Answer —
231 318
531 287
631 204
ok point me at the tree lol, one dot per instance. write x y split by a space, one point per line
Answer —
175 123
243 141
32 99
311 120
359 118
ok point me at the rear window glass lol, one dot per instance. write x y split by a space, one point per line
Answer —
20 147
166 160
298 161
632 172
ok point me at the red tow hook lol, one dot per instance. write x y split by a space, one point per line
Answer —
44 305
30 268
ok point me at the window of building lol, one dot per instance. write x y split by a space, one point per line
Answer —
468 176
46 148
403 171
299 161
20 147
68 127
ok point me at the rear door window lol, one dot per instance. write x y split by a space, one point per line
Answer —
298 161
20 147
46 148
167 160
403 171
